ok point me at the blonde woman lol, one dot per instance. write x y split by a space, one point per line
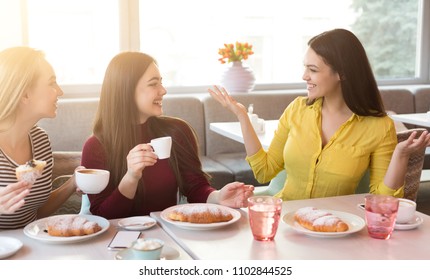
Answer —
28 93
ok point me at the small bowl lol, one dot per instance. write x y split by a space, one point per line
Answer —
147 248
92 181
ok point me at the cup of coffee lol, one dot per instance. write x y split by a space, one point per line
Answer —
147 248
406 212
264 213
92 181
381 213
162 146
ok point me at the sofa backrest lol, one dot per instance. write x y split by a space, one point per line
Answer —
73 124
74 121
190 109
422 99
266 106
398 100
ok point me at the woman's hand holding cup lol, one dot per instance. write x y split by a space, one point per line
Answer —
162 146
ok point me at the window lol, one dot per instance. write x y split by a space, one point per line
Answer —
80 37
185 43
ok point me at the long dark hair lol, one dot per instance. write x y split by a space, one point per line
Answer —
117 124
344 53
185 153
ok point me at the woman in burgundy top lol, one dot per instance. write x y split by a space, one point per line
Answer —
129 116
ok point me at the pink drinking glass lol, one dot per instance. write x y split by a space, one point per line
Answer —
264 214
381 213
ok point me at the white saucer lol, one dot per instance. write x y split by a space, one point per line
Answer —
137 223
411 225
9 246
168 253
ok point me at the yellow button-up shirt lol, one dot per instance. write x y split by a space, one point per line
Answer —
359 144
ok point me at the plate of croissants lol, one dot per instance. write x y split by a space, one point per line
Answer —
62 229
200 216
323 223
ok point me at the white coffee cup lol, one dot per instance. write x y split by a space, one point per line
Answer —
162 146
406 212
92 181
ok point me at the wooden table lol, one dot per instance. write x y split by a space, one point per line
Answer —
235 241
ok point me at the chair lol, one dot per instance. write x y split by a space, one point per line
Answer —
275 185
75 204
72 204
413 173
415 166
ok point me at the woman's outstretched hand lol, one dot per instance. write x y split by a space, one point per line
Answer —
396 172
252 143
235 195
412 145
221 95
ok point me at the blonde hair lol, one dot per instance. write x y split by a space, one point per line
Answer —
19 70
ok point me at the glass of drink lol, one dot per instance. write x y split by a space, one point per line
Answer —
381 212
264 214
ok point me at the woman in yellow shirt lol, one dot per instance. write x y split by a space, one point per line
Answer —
327 140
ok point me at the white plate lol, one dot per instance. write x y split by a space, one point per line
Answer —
355 223
193 226
37 230
411 225
137 223
168 253
9 246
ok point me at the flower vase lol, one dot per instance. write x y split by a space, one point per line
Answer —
238 78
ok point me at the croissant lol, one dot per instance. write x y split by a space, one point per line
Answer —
319 220
71 226
200 214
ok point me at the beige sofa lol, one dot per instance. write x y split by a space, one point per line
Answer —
222 158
